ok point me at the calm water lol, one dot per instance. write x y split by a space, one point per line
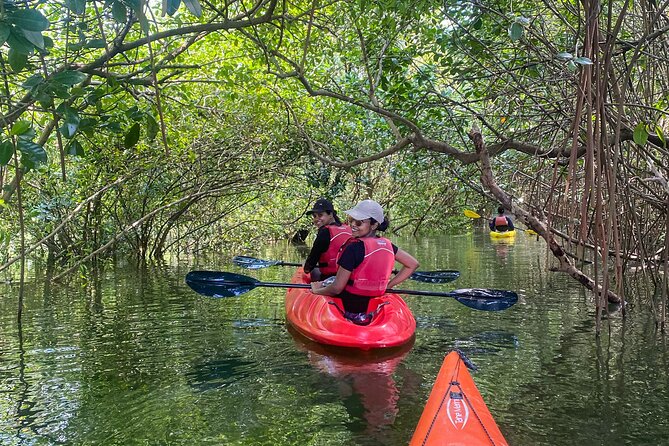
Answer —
135 357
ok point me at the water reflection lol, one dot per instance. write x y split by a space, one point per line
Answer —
487 342
503 247
135 357
222 372
365 377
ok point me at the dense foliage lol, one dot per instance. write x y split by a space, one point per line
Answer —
157 128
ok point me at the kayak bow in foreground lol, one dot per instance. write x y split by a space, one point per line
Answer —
455 413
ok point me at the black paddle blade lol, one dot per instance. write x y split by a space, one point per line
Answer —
219 284
443 276
252 262
485 299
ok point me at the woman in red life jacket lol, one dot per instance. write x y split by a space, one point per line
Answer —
501 223
322 260
366 261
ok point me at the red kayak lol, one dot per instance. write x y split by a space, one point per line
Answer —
455 413
320 319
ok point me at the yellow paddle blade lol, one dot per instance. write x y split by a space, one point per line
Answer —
471 214
530 231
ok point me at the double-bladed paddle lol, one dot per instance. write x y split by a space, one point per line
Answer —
224 284
440 276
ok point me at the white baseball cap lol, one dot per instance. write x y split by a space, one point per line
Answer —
367 209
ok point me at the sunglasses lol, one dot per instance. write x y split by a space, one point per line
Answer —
354 222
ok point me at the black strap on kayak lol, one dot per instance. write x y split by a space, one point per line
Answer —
468 362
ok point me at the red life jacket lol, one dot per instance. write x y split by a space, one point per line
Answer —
500 220
327 262
371 277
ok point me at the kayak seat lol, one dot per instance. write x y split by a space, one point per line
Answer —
359 318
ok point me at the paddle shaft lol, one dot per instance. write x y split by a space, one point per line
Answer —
306 285
282 263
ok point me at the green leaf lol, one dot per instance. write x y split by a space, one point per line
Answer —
144 24
660 134
19 43
131 137
75 148
194 7
68 77
171 6
515 31
113 126
478 23
44 99
151 127
74 46
640 134
33 81
34 37
20 127
70 121
565 56
17 61
58 91
34 153
4 32
6 152
95 43
76 6
524 21
119 12
89 126
30 19
572 66
77 91
583 61
135 5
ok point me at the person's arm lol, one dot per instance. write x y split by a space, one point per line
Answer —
492 224
409 265
509 223
350 259
336 287
321 244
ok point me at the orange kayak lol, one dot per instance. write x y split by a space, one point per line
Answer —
315 318
455 413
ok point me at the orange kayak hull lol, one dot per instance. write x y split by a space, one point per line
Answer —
455 413
315 318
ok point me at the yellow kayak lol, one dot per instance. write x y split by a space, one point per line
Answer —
506 234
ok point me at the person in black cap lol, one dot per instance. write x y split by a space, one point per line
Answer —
332 233
366 264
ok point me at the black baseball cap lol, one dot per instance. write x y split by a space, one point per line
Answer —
321 205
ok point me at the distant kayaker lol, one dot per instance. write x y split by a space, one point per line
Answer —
366 261
501 223
332 233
